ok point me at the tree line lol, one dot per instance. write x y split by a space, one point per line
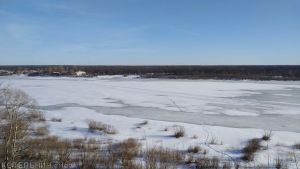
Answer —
291 72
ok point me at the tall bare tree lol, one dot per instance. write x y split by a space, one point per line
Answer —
15 110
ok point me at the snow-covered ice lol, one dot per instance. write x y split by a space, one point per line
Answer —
230 111
248 104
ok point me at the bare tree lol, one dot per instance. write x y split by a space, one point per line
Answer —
15 109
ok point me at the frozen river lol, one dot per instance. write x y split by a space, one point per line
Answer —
243 104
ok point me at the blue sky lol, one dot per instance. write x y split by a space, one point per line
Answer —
150 32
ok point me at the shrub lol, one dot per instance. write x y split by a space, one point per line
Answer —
144 123
190 159
267 135
74 128
129 148
126 151
297 146
250 149
55 119
159 157
179 132
109 129
194 136
279 163
207 163
109 157
98 126
48 149
78 143
227 165
41 131
213 141
37 116
194 149
88 153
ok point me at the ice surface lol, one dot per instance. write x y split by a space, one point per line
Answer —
232 112
256 104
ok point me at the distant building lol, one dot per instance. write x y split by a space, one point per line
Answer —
80 73
33 73
5 72
55 74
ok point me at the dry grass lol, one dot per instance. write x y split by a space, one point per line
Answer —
48 149
55 119
194 149
74 128
207 163
140 125
78 143
213 141
99 126
280 164
129 148
90 153
41 131
159 157
250 149
227 165
194 136
267 136
297 146
179 132
125 152
144 123
37 116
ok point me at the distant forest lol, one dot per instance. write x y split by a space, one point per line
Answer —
169 72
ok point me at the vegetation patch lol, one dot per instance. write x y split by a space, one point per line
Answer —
297 146
37 116
55 119
194 149
99 126
41 131
179 132
207 163
250 149
159 157
267 136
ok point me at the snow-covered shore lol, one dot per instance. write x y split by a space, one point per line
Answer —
207 109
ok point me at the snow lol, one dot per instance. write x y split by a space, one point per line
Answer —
232 112
210 102
238 113
153 134
175 95
117 77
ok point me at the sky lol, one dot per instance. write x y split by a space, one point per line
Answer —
150 32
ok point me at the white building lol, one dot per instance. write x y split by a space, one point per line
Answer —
80 73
